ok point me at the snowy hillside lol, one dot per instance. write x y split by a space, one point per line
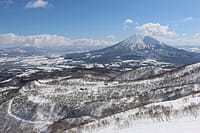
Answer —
52 94
78 97
181 115
140 73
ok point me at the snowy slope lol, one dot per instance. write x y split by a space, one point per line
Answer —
140 73
67 100
182 119
180 125
138 47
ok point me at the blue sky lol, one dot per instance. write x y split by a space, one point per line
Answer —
171 21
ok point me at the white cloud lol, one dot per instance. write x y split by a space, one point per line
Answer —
46 40
162 33
188 19
87 41
127 23
182 40
155 30
37 4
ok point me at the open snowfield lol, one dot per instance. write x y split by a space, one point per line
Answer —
181 125
124 122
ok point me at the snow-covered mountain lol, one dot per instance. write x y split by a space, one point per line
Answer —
87 99
138 47
50 94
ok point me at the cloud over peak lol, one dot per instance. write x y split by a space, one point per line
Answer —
155 29
37 4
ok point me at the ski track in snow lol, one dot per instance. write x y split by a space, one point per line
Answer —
23 120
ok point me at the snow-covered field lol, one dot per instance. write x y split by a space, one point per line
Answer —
180 125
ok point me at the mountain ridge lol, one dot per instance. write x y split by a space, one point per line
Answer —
138 47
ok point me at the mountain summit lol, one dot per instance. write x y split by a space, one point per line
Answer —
138 47
138 41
